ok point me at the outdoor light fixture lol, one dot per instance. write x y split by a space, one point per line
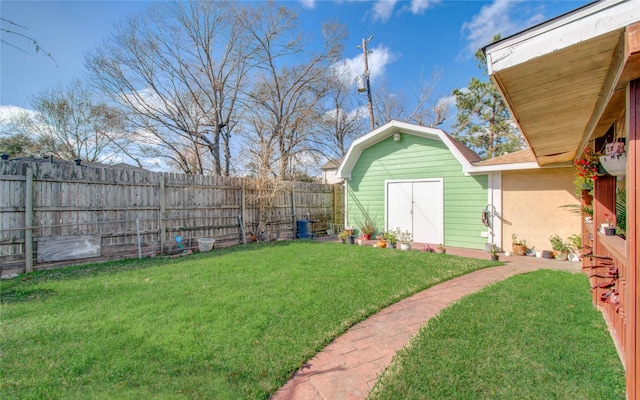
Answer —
396 137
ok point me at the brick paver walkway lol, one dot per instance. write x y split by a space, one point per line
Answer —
348 368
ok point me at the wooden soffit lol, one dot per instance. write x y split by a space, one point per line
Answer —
564 80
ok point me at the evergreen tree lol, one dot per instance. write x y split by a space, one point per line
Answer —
484 122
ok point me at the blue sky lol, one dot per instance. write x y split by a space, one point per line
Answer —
408 37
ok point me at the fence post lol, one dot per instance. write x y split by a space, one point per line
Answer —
293 212
28 220
163 210
243 195
334 208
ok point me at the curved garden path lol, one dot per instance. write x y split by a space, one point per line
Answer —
348 368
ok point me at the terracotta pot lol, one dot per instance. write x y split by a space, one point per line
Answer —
519 250
381 243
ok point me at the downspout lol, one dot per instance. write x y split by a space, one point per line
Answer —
495 200
345 208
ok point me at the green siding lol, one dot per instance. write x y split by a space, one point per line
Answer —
419 158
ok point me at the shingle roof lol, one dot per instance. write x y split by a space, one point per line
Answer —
331 164
522 156
469 154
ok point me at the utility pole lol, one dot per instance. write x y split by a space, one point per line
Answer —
366 74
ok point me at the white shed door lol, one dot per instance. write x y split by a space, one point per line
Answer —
417 207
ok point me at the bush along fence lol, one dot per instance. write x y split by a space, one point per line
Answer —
55 213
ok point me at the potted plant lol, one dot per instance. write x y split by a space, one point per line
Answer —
575 243
381 242
367 228
575 246
519 246
608 227
586 171
494 253
442 249
614 160
621 212
405 238
392 238
343 237
560 246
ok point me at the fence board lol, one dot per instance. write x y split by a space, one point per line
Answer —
105 202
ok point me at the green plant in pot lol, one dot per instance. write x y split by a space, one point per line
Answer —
519 246
343 236
621 212
405 238
367 227
561 247
575 243
494 253
392 238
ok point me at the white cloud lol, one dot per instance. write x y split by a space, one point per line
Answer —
358 113
503 17
419 6
6 112
308 3
447 101
492 19
383 9
378 59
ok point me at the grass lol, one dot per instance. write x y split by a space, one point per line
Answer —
533 336
226 325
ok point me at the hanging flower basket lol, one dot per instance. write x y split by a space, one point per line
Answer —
615 166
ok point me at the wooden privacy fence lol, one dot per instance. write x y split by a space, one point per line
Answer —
57 213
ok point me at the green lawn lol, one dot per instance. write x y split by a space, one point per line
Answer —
533 336
231 324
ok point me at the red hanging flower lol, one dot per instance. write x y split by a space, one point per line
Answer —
587 166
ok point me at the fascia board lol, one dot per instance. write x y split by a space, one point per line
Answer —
502 167
513 167
585 23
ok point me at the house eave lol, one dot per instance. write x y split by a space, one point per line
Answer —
563 80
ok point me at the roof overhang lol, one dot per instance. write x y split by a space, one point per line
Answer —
564 79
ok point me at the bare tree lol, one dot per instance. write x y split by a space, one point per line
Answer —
18 32
70 123
388 105
343 119
290 85
419 108
178 69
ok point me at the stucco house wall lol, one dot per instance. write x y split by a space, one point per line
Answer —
532 203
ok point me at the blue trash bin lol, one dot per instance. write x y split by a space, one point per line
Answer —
304 229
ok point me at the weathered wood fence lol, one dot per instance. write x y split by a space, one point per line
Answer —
55 214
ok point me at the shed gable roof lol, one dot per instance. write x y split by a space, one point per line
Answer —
463 154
